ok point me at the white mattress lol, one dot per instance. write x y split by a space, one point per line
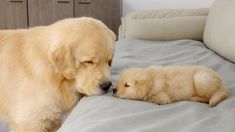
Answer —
108 114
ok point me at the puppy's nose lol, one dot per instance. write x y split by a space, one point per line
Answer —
114 90
105 86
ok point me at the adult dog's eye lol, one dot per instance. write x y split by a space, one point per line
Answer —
126 85
89 62
110 62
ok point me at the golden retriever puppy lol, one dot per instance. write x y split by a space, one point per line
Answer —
164 85
46 70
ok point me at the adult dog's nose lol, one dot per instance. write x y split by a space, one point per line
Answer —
114 90
105 86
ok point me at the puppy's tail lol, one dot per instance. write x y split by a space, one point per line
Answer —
218 96
209 84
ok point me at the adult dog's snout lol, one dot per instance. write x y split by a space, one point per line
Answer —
105 86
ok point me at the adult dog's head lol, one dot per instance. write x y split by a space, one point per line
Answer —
82 51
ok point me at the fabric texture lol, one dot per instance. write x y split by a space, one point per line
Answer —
109 114
171 24
3 126
219 32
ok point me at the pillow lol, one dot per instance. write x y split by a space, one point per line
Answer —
219 32
170 24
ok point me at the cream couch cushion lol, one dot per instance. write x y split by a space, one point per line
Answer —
219 32
170 24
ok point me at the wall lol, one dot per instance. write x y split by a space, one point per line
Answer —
131 5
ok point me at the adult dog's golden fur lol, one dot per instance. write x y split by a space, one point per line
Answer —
45 70
163 85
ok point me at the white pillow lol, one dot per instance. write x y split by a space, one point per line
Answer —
219 34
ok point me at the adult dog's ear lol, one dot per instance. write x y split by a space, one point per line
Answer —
111 33
61 57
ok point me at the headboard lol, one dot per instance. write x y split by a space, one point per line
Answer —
136 5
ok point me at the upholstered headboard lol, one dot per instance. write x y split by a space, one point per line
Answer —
164 24
140 5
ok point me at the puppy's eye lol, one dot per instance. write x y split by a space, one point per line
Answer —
89 62
126 85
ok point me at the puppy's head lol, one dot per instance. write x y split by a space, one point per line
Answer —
134 83
82 51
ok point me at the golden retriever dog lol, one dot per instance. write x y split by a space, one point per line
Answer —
164 85
45 70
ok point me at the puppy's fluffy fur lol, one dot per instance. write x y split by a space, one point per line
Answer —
45 70
164 85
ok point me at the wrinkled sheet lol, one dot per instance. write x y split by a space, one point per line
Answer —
109 114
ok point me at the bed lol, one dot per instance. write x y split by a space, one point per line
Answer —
109 114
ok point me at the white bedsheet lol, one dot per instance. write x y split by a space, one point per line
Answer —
108 114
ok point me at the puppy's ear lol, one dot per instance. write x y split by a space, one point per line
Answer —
61 57
142 79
